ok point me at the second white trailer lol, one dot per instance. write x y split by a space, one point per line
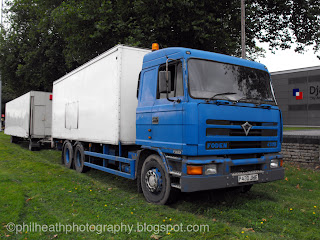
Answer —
29 117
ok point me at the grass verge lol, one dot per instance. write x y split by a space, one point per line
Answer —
300 128
35 188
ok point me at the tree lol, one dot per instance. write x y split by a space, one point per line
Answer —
48 38
283 22
89 29
30 50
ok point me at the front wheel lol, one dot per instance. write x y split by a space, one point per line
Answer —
156 182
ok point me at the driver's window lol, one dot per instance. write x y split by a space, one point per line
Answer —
176 88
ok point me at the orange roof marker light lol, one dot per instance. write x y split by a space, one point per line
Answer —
155 46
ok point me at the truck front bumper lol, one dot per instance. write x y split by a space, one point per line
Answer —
193 183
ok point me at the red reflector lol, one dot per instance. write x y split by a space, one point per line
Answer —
50 98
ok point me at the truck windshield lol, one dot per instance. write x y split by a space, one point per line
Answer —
215 80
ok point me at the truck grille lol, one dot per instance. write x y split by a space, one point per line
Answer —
216 131
227 122
240 132
217 145
249 131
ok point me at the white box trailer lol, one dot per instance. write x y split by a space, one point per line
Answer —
29 117
97 101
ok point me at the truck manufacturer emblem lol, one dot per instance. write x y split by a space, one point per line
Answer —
217 145
246 127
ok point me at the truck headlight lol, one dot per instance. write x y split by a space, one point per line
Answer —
276 163
211 169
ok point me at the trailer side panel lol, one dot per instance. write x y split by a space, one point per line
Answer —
18 117
95 102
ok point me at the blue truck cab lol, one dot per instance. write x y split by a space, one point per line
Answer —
205 121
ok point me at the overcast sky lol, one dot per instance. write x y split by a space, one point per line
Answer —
288 59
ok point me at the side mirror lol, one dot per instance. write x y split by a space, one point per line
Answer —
163 82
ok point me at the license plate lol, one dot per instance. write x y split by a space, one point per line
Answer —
248 178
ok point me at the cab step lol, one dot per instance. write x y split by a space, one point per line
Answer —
175 173
176 185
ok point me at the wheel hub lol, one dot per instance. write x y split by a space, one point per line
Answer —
153 180
67 156
78 159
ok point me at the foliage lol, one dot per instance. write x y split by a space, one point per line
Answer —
44 39
30 50
300 128
282 22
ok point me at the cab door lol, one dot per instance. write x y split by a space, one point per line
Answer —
167 116
146 96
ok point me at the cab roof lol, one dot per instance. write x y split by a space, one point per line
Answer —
152 58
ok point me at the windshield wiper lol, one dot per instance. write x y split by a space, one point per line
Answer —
267 102
246 98
260 101
220 94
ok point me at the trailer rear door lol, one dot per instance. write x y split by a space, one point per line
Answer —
38 120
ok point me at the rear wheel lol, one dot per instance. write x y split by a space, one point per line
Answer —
79 159
67 154
156 182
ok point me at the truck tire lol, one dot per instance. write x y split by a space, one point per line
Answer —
67 154
156 182
79 159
